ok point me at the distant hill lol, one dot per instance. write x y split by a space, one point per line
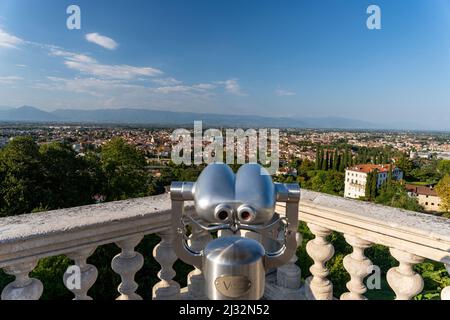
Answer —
157 117
27 114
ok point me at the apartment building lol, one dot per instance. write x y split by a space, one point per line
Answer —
356 178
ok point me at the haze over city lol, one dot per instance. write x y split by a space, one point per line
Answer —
299 59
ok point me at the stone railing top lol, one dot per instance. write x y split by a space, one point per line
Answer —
50 233
424 234
35 225
417 222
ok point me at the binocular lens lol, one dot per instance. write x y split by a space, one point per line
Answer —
245 215
222 215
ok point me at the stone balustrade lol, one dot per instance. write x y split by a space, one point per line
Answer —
77 232
410 236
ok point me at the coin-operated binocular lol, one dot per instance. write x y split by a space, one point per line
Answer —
234 267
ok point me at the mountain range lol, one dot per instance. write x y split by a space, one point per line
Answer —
170 118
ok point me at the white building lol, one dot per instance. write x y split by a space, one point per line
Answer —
356 178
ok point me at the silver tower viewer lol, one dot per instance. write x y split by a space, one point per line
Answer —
234 267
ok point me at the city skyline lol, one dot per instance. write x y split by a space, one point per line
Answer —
296 59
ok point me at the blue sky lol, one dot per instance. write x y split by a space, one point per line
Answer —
276 58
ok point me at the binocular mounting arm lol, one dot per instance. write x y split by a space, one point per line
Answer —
180 192
290 194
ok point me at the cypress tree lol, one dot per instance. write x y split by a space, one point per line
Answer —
331 163
341 164
345 158
368 185
321 159
336 160
373 188
317 159
325 163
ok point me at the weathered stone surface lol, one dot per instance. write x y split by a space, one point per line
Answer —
423 234
34 225
58 232
421 223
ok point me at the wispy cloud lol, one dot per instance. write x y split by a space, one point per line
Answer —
8 40
90 66
118 93
232 86
167 81
102 41
284 93
9 79
97 86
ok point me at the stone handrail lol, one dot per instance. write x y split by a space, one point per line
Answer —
410 236
56 232
77 232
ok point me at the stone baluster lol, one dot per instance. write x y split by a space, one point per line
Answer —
195 279
23 287
445 293
126 264
81 276
405 282
288 275
166 289
318 287
358 266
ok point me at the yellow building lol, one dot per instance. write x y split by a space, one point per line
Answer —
426 196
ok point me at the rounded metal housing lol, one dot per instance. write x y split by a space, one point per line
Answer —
255 189
214 186
233 269
250 191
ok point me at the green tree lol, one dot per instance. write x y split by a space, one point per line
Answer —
321 159
318 164
336 159
124 168
368 185
395 195
374 184
405 164
325 162
21 177
443 167
69 180
443 190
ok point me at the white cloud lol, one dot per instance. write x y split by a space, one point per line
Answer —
283 93
102 41
204 86
9 79
90 66
232 86
8 40
111 86
172 89
95 92
167 81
